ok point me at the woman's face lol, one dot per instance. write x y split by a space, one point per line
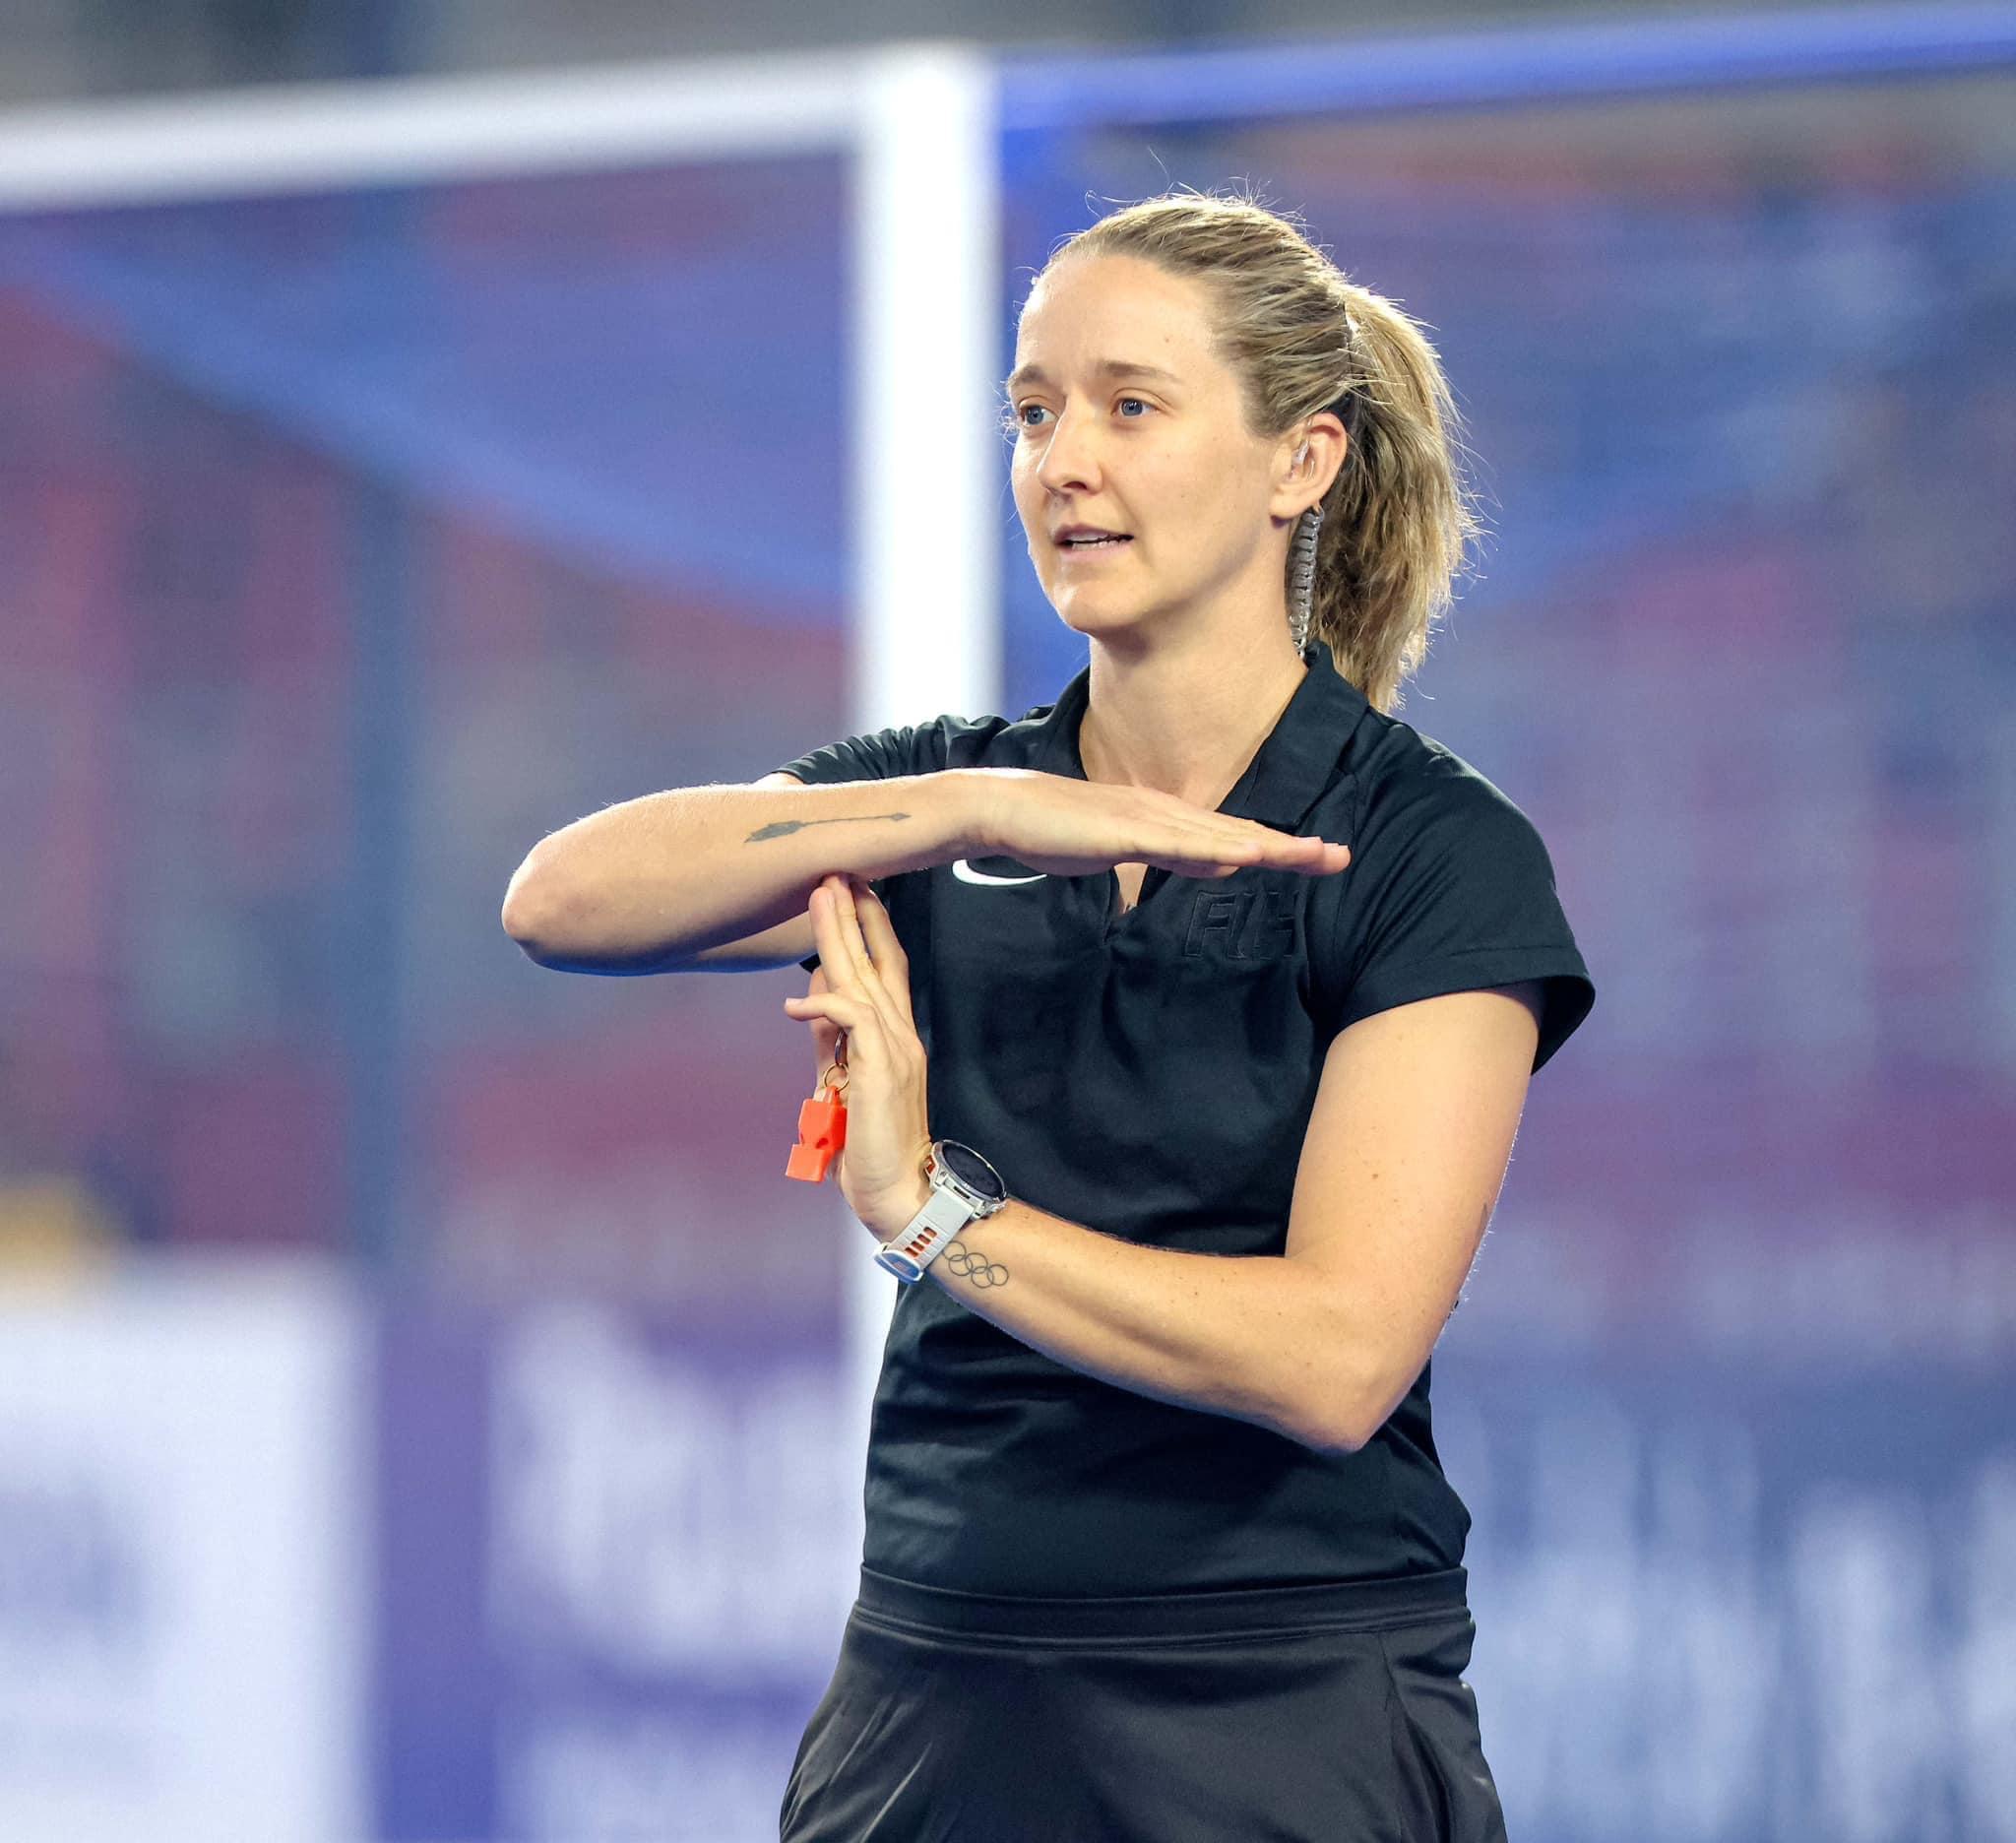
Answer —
1126 420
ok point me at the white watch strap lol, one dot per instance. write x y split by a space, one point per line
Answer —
925 1240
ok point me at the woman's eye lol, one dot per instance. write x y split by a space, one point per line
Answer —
1023 413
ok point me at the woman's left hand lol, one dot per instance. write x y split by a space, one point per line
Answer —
862 990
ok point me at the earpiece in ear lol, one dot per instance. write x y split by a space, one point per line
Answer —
1301 454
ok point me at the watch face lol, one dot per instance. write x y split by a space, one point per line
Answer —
973 1171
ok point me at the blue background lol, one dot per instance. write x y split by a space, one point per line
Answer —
351 542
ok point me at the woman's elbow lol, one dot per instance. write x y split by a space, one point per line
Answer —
535 911
1331 1437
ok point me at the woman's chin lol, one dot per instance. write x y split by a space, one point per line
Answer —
1096 617
1091 629
1121 638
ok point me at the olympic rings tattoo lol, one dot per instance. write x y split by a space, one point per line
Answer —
969 1265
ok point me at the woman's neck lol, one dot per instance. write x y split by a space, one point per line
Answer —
1186 722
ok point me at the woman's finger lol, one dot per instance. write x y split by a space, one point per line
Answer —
826 1035
842 931
858 1017
839 937
829 940
886 951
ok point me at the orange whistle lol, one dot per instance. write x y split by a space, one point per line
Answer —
822 1133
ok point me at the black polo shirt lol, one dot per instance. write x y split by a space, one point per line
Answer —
1150 1075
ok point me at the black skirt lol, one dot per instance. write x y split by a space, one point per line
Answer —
1330 1714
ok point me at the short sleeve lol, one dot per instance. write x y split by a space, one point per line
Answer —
877 755
1451 889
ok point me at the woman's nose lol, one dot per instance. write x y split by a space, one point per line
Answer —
1070 459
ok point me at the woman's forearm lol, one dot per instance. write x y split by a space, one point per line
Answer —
1260 1338
648 883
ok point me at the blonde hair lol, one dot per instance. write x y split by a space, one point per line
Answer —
1303 338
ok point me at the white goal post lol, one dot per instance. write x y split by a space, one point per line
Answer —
914 124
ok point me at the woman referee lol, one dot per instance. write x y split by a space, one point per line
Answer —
1187 1024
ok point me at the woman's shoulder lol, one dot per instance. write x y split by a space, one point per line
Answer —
1404 774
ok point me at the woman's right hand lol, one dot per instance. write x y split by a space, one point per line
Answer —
1067 827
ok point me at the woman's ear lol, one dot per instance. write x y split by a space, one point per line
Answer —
1318 453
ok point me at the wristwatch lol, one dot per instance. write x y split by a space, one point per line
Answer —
965 1187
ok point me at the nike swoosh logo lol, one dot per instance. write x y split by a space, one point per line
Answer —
966 874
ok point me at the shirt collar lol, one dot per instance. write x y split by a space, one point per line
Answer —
1293 766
